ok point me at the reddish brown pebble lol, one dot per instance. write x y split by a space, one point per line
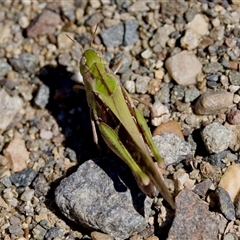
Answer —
45 23
58 139
233 65
205 42
171 126
233 116
17 153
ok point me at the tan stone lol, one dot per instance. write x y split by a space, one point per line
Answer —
230 181
100 236
17 153
213 103
235 140
171 126
184 68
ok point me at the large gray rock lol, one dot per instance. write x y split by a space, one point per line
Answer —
103 195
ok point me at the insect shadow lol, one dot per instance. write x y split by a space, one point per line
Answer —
70 109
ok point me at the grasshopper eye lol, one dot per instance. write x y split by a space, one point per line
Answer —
99 54
83 61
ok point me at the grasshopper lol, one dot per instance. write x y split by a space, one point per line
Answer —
121 124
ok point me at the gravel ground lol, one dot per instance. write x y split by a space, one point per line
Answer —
180 56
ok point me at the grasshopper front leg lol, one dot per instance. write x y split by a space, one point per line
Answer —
94 131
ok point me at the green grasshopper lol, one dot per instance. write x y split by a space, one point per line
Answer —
121 124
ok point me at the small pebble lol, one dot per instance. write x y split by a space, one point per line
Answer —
216 159
6 181
44 134
186 72
42 96
139 6
23 22
212 68
54 233
160 113
95 3
230 181
146 53
199 24
113 36
63 41
190 40
216 137
234 77
17 153
213 103
225 204
25 62
45 23
131 33
173 149
181 178
191 94
39 232
233 116
40 186
202 187
4 68
130 86
171 126
163 95
10 105
234 145
142 84
100 236
27 195
16 230
23 178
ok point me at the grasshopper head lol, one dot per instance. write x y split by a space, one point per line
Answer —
88 59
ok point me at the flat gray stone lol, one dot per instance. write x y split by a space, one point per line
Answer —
113 36
25 62
226 204
124 33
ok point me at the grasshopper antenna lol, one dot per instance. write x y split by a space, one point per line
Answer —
94 35
75 42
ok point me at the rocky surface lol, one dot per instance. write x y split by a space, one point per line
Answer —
180 57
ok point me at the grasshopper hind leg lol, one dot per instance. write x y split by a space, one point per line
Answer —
113 142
